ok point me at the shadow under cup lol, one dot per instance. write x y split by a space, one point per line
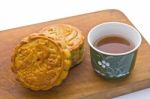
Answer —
113 65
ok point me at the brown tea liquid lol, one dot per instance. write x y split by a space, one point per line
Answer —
113 44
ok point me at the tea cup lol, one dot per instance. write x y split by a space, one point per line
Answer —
113 65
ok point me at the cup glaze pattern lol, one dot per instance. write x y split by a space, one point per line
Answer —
110 66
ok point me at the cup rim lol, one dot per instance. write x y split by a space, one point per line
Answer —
115 54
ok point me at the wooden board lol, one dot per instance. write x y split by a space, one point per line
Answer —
82 81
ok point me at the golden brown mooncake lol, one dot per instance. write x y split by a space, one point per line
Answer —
72 36
41 62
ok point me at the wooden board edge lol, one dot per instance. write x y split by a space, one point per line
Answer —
120 91
63 18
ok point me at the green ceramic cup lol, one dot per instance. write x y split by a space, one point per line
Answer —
113 65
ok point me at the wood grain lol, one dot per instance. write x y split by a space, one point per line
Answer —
82 81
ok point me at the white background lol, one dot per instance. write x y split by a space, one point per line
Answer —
16 13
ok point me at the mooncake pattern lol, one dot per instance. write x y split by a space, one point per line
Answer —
41 62
72 37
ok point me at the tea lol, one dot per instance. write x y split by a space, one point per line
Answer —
113 44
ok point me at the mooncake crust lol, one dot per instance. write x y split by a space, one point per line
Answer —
41 62
72 36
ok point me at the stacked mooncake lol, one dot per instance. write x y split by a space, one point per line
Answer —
42 60
72 37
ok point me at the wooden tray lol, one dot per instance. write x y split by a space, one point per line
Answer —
82 81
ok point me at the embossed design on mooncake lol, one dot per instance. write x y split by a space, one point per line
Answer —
72 36
40 62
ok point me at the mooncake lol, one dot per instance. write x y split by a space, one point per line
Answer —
41 62
73 38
